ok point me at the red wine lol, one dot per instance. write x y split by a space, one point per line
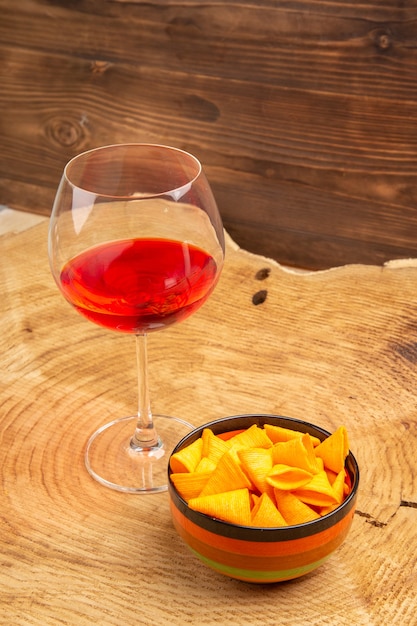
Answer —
139 285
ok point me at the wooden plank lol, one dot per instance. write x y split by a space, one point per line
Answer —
331 347
303 115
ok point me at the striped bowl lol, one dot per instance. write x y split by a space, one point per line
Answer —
262 555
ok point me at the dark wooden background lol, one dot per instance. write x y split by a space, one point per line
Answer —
303 112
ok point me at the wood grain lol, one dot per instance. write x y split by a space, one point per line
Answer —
303 113
331 347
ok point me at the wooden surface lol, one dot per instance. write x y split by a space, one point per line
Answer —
334 347
303 112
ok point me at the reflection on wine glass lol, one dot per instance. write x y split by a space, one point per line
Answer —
135 244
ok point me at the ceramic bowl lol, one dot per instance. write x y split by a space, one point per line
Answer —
263 555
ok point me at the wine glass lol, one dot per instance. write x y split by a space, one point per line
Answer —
135 244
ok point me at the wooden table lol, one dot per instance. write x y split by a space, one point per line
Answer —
332 347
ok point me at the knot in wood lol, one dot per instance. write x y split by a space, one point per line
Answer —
66 132
259 297
198 108
382 39
263 273
99 67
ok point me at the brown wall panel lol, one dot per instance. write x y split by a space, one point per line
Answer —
304 114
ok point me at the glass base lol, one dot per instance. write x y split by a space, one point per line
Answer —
113 462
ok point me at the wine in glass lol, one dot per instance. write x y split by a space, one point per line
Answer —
135 244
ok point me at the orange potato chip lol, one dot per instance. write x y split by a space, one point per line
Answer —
318 492
334 450
187 459
205 465
324 510
287 478
254 498
278 434
190 484
228 476
292 509
339 486
213 447
265 513
297 452
230 506
253 437
257 463
330 474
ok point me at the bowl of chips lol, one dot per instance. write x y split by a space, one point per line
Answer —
263 498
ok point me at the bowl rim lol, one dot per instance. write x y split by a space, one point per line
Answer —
276 533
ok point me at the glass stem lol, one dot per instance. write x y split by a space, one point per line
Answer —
145 436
